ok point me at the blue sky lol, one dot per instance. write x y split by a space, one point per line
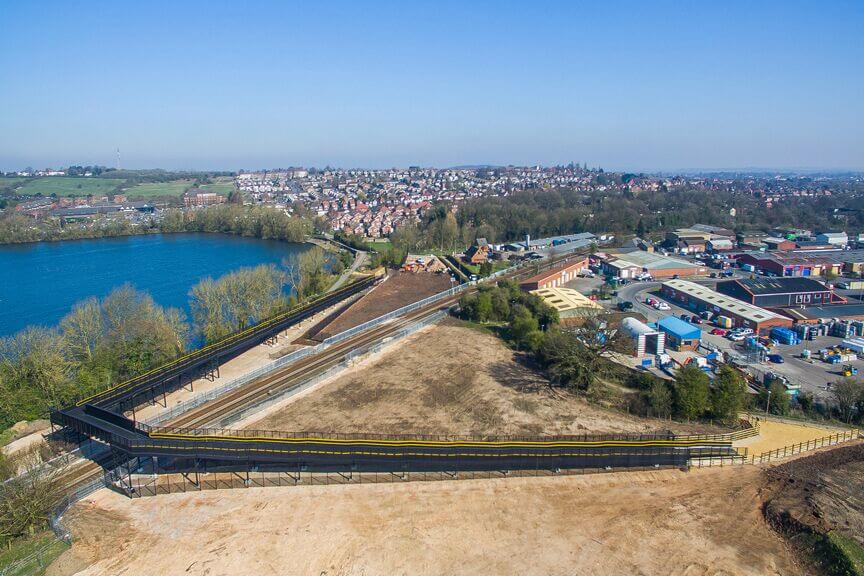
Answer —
623 85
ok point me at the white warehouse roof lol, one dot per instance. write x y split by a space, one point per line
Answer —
728 303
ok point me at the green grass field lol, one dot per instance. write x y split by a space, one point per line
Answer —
9 181
379 244
70 186
223 188
853 551
32 556
156 189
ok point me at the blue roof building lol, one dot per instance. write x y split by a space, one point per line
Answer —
680 335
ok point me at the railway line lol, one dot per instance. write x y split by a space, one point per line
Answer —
278 381
102 417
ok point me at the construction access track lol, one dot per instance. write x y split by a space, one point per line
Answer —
181 447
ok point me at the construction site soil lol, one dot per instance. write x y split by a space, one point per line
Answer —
455 379
449 379
398 290
703 522
819 493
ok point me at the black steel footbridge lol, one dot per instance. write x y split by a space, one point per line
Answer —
187 449
173 449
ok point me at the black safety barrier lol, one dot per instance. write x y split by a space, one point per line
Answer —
178 372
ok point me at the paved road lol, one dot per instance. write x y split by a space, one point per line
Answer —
359 260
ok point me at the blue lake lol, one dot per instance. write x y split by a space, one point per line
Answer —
39 283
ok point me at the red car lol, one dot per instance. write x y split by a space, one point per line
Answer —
718 332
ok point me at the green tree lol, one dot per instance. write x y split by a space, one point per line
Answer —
691 392
728 394
237 300
483 307
500 304
847 393
33 364
777 401
522 325
659 398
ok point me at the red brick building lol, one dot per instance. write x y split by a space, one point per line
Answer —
556 276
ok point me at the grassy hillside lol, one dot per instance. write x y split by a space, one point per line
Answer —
156 189
224 188
70 186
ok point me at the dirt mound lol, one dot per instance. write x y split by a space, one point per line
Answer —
450 379
705 523
819 493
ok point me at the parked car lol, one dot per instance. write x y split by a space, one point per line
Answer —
696 319
727 273
625 305
775 358
684 317
735 336
713 275
718 332
650 301
662 306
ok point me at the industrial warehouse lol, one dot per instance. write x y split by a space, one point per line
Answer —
569 303
768 292
632 264
700 298
555 277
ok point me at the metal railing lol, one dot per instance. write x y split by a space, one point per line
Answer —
792 449
234 384
345 363
55 520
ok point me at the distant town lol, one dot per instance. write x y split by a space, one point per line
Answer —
370 203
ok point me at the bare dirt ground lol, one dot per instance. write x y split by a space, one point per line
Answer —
775 434
400 289
822 492
450 379
706 522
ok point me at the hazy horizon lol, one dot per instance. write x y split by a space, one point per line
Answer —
634 87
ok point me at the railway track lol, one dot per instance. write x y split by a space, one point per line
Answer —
277 382
292 375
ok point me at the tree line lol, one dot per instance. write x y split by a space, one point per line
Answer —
622 211
102 342
582 357
252 221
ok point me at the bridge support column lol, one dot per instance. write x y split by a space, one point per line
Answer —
181 385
